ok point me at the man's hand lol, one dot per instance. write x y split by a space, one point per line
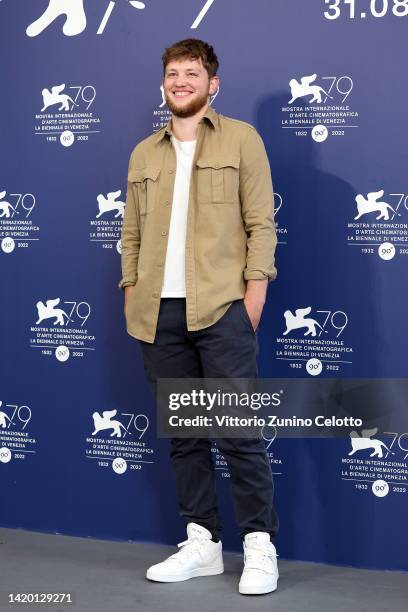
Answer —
128 290
254 300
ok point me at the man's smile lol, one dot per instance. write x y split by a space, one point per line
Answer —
182 93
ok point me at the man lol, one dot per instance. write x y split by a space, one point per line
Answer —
198 244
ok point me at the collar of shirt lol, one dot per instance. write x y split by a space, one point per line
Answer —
210 115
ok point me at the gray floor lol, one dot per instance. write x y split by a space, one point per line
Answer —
109 577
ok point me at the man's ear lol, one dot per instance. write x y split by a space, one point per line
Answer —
214 84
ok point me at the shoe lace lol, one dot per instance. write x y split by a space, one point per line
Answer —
189 547
259 554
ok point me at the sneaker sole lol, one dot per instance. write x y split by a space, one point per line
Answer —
209 571
258 590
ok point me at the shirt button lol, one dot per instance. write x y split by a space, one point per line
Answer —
171 171
164 233
155 295
216 165
166 203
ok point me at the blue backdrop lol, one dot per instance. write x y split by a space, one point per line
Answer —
324 84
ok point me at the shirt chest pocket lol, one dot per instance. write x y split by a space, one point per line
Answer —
218 180
146 182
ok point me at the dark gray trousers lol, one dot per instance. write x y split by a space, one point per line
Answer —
226 349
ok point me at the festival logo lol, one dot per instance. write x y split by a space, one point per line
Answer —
67 114
60 329
375 466
116 441
313 341
17 229
319 107
16 440
305 89
75 16
378 227
106 231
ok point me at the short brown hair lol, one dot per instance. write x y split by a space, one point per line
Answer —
194 49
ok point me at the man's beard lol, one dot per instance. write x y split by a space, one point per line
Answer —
189 109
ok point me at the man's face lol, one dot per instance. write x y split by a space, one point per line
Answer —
187 87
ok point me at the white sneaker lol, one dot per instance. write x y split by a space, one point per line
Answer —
199 556
260 573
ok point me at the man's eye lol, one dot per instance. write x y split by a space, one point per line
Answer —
173 74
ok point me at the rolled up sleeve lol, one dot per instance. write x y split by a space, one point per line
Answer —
257 202
130 236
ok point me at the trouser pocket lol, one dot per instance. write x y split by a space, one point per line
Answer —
247 318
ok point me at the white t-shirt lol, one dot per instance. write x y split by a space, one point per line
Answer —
174 284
